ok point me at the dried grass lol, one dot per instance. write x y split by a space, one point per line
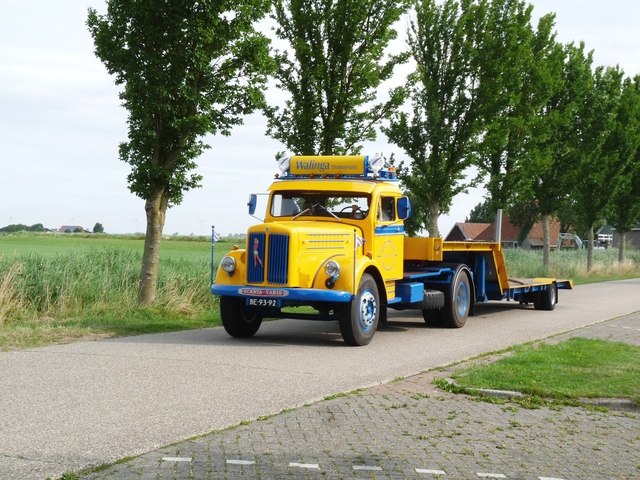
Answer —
11 298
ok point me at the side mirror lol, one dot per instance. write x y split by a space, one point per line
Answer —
253 201
404 208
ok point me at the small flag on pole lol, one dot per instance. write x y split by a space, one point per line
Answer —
216 236
359 240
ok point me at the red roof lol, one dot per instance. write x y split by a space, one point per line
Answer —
484 232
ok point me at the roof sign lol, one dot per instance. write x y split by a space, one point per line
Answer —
319 165
329 166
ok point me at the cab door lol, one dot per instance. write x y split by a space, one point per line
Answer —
389 242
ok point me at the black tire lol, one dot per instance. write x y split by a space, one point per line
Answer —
236 321
432 317
537 300
550 297
458 298
359 318
546 299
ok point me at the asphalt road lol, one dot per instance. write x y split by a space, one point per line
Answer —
67 407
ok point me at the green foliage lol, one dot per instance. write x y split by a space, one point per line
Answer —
514 78
624 209
187 69
19 227
481 213
331 70
599 161
98 228
441 132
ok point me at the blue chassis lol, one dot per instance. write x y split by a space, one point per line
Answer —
425 277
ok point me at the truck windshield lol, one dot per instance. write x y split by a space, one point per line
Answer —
319 204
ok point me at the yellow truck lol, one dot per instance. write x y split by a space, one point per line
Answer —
333 241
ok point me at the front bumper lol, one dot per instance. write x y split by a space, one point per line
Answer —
285 294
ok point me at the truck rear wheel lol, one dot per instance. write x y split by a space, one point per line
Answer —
236 320
432 302
457 300
359 318
432 318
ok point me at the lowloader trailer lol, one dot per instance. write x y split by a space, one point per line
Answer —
333 241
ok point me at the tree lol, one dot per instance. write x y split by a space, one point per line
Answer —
335 64
624 209
481 213
549 173
187 69
441 133
522 69
510 62
598 159
15 227
98 228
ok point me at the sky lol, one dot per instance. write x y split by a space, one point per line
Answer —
61 123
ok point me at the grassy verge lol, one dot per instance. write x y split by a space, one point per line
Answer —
577 368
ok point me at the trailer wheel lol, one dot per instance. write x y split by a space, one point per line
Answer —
359 318
236 320
457 300
550 297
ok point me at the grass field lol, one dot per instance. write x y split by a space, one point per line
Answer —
58 288
61 287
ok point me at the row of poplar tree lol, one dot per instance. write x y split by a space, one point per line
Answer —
541 125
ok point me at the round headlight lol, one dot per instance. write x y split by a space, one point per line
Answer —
228 264
332 269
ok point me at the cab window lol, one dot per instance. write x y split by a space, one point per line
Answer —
387 209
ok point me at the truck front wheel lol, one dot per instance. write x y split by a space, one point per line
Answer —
359 318
236 320
457 300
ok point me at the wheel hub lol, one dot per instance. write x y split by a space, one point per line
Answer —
368 310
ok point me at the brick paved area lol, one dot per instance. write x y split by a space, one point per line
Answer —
409 430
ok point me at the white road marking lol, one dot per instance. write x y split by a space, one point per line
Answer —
241 462
304 465
432 472
176 459
366 467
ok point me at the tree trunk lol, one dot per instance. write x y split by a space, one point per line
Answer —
156 210
622 247
590 249
434 214
546 239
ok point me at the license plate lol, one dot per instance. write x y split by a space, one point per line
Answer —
263 302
